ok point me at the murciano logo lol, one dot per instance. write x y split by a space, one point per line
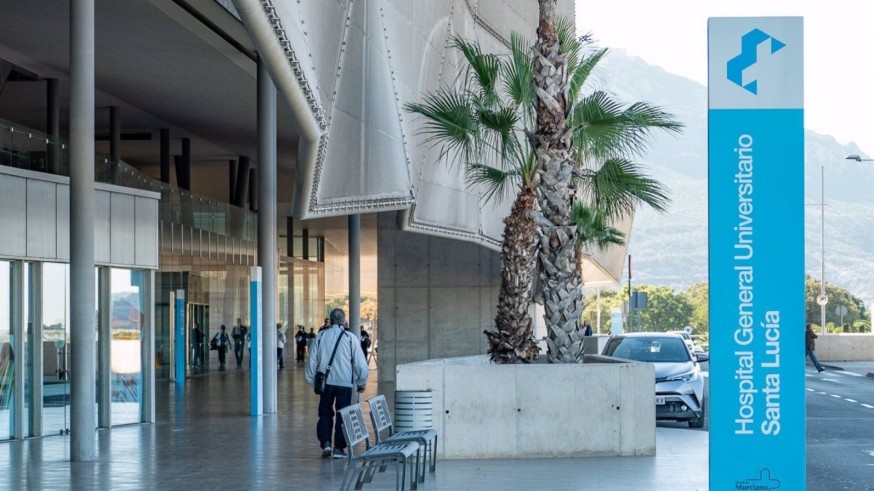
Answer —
749 56
763 483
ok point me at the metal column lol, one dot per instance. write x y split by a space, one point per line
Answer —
165 155
35 348
104 348
148 346
114 142
19 326
82 229
267 229
355 274
53 126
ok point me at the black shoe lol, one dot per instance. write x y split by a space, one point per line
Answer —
339 454
821 370
326 450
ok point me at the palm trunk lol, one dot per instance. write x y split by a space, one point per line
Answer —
513 338
560 279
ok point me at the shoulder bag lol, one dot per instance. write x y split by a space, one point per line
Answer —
322 377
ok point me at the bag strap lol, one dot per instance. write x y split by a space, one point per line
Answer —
334 353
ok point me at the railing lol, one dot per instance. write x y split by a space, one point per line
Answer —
24 148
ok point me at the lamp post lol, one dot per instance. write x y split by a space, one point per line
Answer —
822 299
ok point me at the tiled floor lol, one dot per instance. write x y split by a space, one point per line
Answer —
205 439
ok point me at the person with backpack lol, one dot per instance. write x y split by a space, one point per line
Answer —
223 341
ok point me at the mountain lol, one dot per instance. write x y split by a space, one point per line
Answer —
671 249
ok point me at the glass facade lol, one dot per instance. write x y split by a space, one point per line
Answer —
126 323
55 348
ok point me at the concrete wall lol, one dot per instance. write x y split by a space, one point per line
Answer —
484 411
436 296
845 347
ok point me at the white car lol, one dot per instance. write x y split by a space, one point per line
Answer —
679 383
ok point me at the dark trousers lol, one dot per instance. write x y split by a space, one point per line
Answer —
300 351
332 399
221 354
238 353
279 358
812 356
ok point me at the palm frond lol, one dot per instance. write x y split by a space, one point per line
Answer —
593 228
603 127
450 122
518 75
495 182
501 134
579 73
483 67
619 186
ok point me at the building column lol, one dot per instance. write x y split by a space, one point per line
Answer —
289 239
35 348
147 346
185 178
165 155
253 189
305 243
114 142
82 230
267 229
104 348
232 181
53 126
355 274
242 182
19 326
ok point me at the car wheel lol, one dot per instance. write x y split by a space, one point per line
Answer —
698 422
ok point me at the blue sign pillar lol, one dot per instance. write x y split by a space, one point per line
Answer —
181 347
256 371
756 250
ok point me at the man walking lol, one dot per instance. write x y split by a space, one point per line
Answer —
300 340
810 346
341 350
238 334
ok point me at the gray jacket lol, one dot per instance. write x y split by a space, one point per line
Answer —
349 368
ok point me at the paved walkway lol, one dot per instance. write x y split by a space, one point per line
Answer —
204 439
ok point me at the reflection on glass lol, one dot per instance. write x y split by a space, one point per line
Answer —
56 347
126 322
6 369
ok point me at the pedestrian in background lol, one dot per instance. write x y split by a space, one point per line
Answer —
280 345
238 333
809 337
224 345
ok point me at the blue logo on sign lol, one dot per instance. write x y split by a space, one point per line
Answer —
748 57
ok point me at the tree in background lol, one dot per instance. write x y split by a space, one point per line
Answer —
369 309
698 296
857 316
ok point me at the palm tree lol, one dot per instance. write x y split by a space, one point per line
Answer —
562 139
480 123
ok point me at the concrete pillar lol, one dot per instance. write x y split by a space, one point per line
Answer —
232 180
53 126
165 155
355 274
35 348
82 230
242 182
305 243
114 142
267 229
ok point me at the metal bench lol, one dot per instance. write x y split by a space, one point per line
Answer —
381 418
362 467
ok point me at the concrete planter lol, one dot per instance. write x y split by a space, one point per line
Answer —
845 347
486 411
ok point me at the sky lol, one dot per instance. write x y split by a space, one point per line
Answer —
838 38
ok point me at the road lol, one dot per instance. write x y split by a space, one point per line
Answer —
840 431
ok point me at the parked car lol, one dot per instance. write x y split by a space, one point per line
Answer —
679 387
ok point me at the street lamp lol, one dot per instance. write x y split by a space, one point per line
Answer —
822 298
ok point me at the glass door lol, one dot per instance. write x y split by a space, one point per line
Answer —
56 348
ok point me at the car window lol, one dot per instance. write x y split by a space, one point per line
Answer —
653 350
